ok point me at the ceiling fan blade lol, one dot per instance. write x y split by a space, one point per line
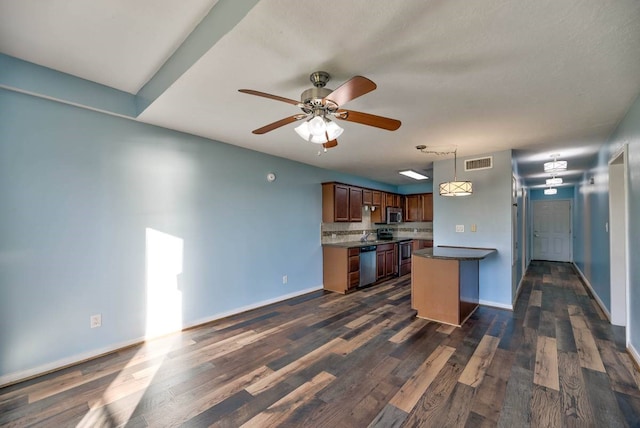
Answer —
368 119
278 124
330 144
351 89
265 95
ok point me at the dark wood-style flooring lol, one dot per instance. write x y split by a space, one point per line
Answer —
359 360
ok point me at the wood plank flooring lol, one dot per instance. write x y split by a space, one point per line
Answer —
364 359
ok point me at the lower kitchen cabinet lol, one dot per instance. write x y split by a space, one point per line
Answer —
340 269
419 244
387 260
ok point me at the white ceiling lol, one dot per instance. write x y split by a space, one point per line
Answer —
543 77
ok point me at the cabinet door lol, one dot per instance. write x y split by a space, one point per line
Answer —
389 263
377 198
380 264
367 197
412 208
355 204
393 200
427 207
341 202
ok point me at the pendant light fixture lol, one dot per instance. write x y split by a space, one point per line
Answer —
555 165
455 187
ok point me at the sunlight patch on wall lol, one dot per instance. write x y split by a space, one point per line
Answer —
164 298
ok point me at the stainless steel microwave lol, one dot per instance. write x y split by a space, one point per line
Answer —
394 215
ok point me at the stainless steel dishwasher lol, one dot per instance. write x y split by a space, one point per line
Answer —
368 272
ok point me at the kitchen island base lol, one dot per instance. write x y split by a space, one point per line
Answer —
445 283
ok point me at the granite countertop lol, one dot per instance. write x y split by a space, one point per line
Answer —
454 253
356 244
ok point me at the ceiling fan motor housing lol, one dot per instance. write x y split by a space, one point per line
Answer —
313 97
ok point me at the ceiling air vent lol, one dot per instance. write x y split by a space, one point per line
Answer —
479 163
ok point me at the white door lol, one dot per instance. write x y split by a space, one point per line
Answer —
552 230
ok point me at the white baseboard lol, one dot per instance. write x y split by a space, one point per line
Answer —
235 311
496 304
634 353
595 295
78 358
65 362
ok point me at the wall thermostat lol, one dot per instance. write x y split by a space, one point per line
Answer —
271 177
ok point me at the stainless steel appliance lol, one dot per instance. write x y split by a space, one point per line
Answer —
404 257
394 215
384 234
368 271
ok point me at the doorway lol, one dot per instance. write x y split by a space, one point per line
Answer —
618 238
552 237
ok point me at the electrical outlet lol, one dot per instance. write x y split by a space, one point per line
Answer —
459 228
95 320
474 228
285 279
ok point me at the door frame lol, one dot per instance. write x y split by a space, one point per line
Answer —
619 208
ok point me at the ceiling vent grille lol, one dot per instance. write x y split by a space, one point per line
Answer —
479 163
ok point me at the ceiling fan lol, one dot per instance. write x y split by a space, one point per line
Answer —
319 104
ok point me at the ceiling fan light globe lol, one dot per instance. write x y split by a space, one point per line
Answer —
317 126
333 130
303 130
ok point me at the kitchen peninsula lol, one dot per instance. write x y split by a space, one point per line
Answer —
445 282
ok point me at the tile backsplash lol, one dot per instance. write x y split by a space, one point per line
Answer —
344 232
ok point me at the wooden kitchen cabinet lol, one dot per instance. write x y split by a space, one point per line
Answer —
418 207
392 200
355 204
419 244
387 260
426 207
341 203
377 198
340 269
367 197
412 208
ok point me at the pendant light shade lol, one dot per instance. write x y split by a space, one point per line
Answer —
455 187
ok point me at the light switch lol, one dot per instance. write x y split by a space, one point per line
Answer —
459 227
474 228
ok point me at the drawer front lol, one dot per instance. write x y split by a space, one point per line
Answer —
354 263
385 247
354 252
354 279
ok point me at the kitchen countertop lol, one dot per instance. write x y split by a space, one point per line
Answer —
357 244
454 253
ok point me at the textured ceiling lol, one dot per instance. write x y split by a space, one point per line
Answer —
538 77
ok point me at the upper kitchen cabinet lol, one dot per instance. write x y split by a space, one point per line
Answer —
426 201
367 197
412 208
418 207
355 204
392 200
341 202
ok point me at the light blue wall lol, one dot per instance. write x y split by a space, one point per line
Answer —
592 256
411 189
564 192
592 204
490 209
79 188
